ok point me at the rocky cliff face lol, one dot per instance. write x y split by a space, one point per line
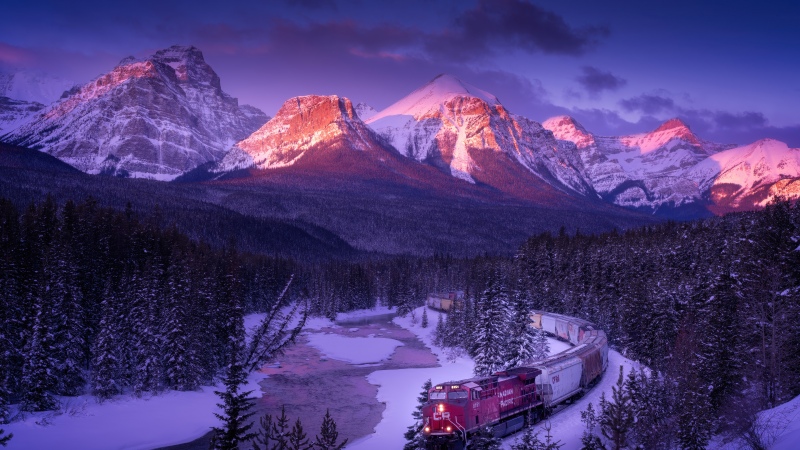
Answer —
453 125
154 118
303 125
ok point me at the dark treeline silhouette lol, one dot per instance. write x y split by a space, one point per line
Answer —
97 300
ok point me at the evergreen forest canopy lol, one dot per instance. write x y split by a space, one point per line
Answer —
107 301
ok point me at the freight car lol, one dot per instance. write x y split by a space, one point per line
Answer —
445 301
506 399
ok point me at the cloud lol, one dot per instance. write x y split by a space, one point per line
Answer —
595 81
494 24
648 104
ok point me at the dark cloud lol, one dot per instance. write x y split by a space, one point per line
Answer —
511 24
595 81
745 120
648 104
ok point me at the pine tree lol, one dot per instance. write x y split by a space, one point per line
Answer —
328 436
616 416
549 442
4 438
439 331
529 439
491 334
590 440
298 439
38 381
484 439
424 323
263 437
280 431
414 436
236 406
523 345
106 365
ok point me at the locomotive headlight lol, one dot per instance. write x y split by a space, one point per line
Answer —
449 428
441 407
427 429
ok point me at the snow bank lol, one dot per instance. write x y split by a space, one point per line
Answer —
123 422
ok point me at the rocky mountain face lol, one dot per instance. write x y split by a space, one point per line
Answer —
463 130
33 86
671 167
302 127
154 118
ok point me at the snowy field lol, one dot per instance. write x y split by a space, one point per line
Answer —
126 422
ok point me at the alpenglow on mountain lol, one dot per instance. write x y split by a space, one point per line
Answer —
156 118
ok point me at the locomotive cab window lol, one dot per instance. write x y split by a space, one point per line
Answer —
457 395
476 395
437 395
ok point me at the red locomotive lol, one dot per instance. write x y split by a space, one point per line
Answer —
504 400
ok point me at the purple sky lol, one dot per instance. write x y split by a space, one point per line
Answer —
731 72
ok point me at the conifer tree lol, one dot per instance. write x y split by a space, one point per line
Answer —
491 334
424 323
523 345
616 415
439 331
484 439
106 365
236 406
38 382
4 438
297 438
415 439
590 440
328 437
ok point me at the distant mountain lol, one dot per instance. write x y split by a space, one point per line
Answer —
467 133
747 177
671 167
152 118
15 113
33 86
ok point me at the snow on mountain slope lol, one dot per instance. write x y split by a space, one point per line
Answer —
365 111
155 118
452 125
640 171
742 172
15 113
301 124
33 86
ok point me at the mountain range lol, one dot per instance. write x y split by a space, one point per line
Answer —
166 116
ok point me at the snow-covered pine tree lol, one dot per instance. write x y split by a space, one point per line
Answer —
328 437
297 437
182 371
522 344
439 331
104 352
4 438
38 372
484 439
414 437
590 440
424 323
491 333
616 416
529 440
236 405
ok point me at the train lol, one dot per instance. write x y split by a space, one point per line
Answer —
445 301
507 400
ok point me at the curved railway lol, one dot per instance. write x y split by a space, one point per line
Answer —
507 399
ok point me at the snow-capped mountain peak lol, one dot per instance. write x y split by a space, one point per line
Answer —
432 95
155 117
566 128
300 125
